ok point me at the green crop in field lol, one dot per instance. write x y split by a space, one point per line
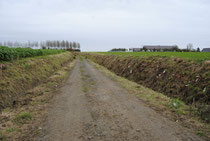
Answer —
8 54
198 56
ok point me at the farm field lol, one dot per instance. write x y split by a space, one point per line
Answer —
196 56
8 54
105 70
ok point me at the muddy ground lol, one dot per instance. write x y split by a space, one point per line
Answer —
93 107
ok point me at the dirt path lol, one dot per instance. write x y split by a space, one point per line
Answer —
93 107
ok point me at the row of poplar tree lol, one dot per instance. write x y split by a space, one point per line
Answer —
43 44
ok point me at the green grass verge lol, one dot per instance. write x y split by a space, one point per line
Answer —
197 56
23 118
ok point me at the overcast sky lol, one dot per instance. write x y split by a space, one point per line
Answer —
100 25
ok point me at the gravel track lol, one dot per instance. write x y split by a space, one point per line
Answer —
93 107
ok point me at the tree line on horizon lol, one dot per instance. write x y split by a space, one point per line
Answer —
55 44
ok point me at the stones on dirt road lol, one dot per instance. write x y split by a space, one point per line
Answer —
90 137
137 130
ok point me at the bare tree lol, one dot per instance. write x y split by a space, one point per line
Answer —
74 45
78 45
67 44
190 47
70 45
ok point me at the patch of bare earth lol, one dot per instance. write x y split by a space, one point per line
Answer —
207 62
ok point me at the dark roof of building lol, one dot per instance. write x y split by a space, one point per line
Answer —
159 47
206 50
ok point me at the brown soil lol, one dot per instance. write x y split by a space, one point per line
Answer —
93 107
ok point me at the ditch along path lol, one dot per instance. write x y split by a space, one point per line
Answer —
93 107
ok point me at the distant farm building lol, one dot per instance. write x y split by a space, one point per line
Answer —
206 50
118 50
135 49
160 48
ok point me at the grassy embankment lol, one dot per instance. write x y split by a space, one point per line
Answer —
26 86
181 79
21 75
174 109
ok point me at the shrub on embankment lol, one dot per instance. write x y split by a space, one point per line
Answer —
177 78
21 75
